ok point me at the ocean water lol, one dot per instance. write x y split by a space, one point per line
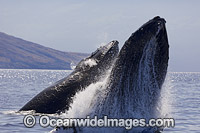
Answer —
181 98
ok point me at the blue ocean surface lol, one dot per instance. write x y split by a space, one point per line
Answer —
17 87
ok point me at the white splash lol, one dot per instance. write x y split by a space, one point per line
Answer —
72 65
166 100
81 105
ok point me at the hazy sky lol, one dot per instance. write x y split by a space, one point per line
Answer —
83 25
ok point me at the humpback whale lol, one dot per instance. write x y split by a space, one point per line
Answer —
59 96
136 79
138 73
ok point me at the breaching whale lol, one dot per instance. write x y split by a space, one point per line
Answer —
138 73
133 88
135 82
58 97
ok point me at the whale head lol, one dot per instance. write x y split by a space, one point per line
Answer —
103 56
146 49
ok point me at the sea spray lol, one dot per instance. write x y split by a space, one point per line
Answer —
165 99
81 106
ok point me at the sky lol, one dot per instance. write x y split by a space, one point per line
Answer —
84 25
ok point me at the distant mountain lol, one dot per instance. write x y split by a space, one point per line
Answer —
16 53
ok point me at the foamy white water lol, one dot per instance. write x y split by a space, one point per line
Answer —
83 101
